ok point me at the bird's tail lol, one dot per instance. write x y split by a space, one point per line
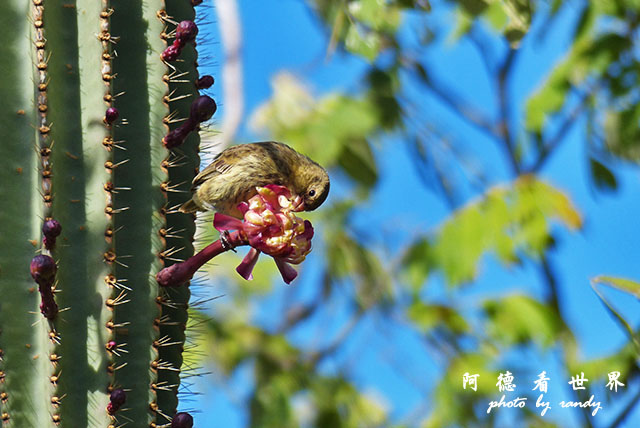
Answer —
189 207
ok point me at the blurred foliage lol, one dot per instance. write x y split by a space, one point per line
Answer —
360 277
506 221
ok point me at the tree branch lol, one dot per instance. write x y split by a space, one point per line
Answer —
503 99
625 412
454 101
552 144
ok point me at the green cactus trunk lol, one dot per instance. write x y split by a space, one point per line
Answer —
114 189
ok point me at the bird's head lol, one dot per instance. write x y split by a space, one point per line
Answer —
313 188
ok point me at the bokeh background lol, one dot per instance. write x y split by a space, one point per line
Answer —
483 215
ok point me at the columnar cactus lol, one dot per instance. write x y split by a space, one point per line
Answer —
90 190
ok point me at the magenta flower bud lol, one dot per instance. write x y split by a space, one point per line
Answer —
182 420
172 52
205 82
51 229
186 32
43 269
111 115
202 109
116 399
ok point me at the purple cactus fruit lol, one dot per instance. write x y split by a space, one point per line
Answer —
51 230
43 269
177 136
172 52
111 115
116 399
196 2
202 109
186 32
111 408
205 82
48 307
182 420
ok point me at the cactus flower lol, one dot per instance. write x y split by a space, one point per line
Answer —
270 226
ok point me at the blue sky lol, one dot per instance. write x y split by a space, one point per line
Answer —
283 35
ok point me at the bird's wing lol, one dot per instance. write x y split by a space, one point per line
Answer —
221 164
245 153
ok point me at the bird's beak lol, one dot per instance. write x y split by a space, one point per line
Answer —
298 203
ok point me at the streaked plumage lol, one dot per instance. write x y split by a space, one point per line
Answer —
234 174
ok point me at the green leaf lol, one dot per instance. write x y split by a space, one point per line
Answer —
331 130
627 286
519 13
623 360
376 14
622 133
550 97
622 284
347 258
520 319
357 160
496 16
602 176
363 42
429 316
417 263
505 220
474 7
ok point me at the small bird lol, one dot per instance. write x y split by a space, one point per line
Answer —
235 173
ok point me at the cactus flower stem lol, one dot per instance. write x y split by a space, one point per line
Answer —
179 273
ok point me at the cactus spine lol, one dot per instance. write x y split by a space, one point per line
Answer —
87 100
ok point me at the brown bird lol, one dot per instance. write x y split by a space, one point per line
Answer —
235 173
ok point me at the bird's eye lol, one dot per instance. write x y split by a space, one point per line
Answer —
312 192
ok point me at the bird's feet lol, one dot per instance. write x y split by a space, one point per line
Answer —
224 239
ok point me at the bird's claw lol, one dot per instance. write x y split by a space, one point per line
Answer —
224 239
